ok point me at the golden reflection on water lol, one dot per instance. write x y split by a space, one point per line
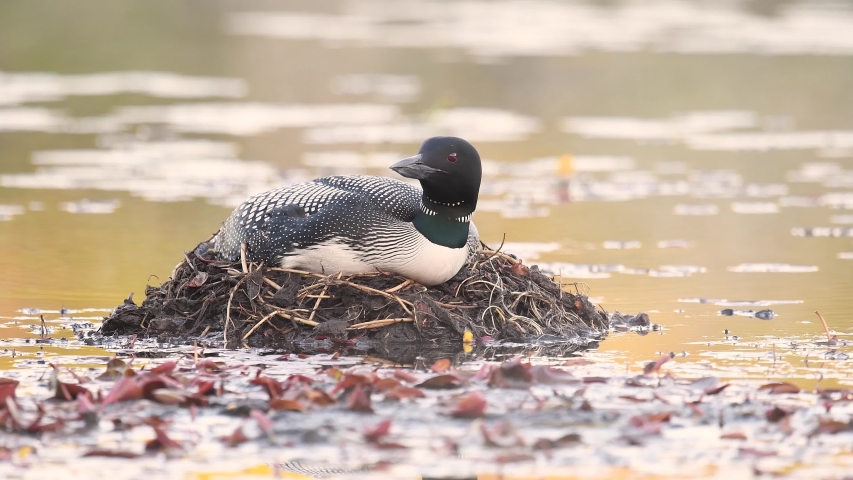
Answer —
282 100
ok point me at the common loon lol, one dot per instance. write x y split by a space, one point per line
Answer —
360 223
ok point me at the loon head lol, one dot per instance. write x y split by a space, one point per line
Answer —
449 171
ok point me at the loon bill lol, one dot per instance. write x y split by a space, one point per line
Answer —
360 223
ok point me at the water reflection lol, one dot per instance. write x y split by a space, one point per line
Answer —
663 182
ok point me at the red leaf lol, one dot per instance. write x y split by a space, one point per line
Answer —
359 400
834 426
237 437
733 436
274 388
351 380
100 452
161 441
472 405
264 422
319 397
545 375
441 365
405 376
714 391
402 392
387 384
652 367
165 368
127 388
373 434
7 389
776 414
287 404
780 388
446 381
70 391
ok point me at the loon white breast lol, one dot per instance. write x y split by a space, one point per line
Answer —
359 223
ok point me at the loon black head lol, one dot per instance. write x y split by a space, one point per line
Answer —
449 170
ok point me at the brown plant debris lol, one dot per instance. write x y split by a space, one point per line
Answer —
492 297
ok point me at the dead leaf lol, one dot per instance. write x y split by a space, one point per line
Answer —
782 387
440 365
287 404
405 376
545 375
373 434
237 437
165 368
387 384
264 422
472 405
446 381
7 389
359 400
733 436
402 392
274 388
652 367
198 280
577 362
101 452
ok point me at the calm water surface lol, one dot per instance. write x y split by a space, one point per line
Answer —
675 158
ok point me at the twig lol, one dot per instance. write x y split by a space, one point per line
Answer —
399 287
499 254
825 326
257 325
228 312
243 249
320 299
295 318
378 292
379 323
272 284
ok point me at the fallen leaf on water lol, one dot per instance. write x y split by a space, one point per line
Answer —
472 405
359 400
319 397
274 388
100 452
373 434
169 396
545 375
652 367
833 426
716 390
161 440
783 387
351 380
127 388
116 369
566 440
577 362
402 392
387 384
733 436
441 365
235 438
165 368
776 414
446 381
7 389
264 422
405 376
287 404
502 435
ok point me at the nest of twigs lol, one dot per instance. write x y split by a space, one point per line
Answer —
495 296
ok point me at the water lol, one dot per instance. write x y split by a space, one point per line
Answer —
677 158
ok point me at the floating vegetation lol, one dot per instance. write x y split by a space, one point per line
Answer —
761 314
494 298
87 206
696 209
772 268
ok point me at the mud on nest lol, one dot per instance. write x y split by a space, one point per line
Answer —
494 296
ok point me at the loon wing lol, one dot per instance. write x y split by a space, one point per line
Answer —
275 221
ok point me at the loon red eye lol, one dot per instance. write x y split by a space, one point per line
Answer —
451 158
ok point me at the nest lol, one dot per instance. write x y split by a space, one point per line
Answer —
250 304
